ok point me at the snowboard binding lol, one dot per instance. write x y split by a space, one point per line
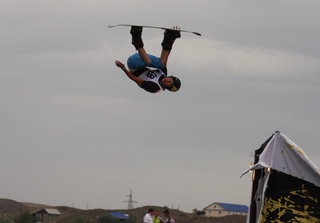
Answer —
169 37
136 32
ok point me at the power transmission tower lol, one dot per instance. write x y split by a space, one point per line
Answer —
130 201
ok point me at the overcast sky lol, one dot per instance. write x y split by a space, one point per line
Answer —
76 131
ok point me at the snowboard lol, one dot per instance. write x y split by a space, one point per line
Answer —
155 27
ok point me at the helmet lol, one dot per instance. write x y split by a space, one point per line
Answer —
176 84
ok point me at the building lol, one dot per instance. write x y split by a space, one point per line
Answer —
47 215
118 215
218 209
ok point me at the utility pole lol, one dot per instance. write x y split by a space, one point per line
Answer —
130 201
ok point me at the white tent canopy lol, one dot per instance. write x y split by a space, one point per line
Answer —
285 156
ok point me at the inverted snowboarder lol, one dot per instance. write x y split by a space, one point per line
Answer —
148 71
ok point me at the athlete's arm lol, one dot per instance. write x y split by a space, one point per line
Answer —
138 80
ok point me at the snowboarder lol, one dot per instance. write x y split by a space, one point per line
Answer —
148 71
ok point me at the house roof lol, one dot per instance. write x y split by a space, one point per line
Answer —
50 211
231 207
119 215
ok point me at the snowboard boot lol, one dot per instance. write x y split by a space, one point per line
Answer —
136 32
169 38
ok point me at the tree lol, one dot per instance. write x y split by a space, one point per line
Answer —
24 217
107 219
5 220
80 220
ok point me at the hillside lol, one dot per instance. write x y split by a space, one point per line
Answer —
71 215
10 207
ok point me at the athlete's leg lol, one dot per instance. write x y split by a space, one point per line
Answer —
144 56
167 43
135 62
164 56
136 32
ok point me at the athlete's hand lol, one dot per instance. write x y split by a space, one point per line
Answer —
119 64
